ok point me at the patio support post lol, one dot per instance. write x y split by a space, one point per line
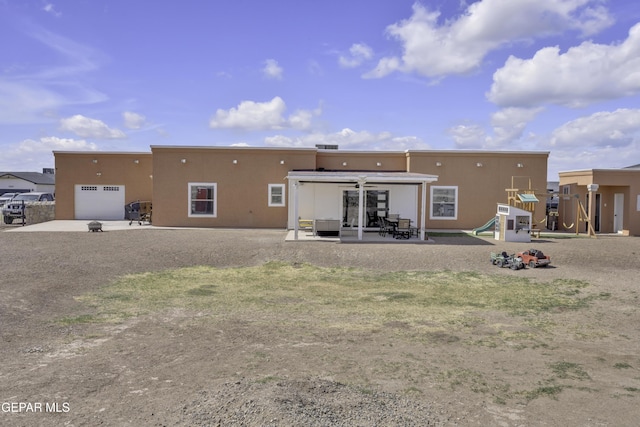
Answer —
423 209
296 223
361 182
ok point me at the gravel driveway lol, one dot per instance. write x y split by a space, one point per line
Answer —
173 370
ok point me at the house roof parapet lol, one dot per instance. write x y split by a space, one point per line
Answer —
477 152
105 153
360 176
592 171
230 148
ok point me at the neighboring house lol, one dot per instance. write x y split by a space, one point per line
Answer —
23 182
610 198
553 188
250 187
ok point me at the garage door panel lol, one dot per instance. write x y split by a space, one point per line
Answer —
105 202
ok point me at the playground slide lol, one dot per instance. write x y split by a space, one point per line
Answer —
489 225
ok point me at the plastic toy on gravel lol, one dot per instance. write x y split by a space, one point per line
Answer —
534 258
505 260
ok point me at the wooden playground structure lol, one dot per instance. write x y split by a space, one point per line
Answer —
526 199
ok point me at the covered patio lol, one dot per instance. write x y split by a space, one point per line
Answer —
335 183
367 237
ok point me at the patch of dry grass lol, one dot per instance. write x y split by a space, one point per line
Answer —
342 297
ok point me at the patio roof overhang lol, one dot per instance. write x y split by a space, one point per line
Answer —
359 177
369 177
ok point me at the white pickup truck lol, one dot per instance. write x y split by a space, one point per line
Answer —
15 208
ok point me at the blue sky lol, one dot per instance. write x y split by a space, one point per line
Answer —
119 75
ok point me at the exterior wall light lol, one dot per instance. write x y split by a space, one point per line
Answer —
136 161
479 164
378 164
94 161
235 162
520 165
344 163
282 162
183 161
438 164
98 173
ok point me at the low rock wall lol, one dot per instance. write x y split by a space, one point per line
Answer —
38 212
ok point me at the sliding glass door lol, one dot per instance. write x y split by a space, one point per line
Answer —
376 204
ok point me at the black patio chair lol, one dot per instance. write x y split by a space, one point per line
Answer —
384 227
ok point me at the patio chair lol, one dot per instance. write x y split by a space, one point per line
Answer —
384 227
403 231
372 220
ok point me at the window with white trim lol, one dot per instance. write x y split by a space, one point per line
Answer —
203 199
444 202
276 195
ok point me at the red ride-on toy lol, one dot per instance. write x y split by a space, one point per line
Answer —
534 258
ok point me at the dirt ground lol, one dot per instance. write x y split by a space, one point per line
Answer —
173 368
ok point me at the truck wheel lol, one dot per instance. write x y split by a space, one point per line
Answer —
500 263
532 264
8 219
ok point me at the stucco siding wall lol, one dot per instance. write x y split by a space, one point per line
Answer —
108 169
360 160
480 188
242 187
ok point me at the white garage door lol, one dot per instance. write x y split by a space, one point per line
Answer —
99 202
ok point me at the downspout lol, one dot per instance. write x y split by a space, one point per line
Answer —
423 209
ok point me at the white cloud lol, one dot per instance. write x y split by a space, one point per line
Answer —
53 143
619 128
133 120
385 66
49 8
30 95
35 154
358 53
468 136
509 125
314 68
583 75
90 128
348 139
272 70
250 115
78 58
581 158
22 102
301 119
458 46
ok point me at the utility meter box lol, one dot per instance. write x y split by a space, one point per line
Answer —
512 224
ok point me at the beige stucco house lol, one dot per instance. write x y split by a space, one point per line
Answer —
610 199
274 187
